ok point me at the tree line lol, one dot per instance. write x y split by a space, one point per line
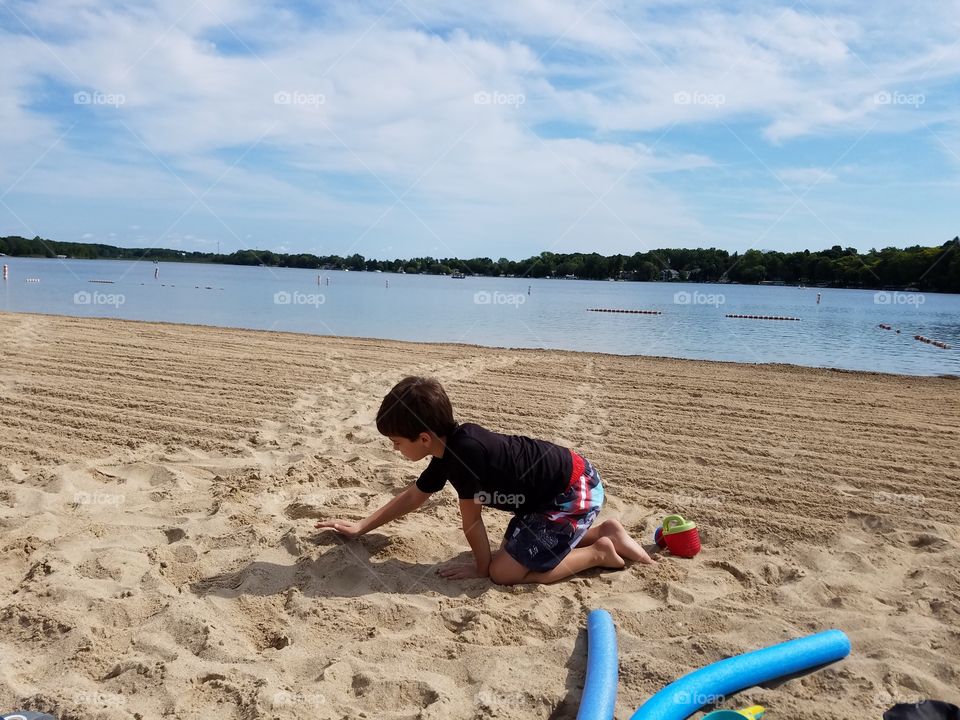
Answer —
933 269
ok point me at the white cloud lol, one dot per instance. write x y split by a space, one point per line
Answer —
382 140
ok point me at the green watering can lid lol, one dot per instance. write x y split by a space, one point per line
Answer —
676 524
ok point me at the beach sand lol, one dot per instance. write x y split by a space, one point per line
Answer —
159 485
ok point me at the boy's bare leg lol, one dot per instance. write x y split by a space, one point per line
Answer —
626 546
504 570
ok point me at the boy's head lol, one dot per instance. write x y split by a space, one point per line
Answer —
415 405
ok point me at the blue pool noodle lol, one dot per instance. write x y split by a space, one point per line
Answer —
685 696
600 687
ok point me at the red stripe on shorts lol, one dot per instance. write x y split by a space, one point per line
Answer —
577 476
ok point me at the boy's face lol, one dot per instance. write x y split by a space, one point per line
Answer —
416 449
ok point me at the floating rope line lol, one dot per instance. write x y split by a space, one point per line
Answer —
936 343
631 312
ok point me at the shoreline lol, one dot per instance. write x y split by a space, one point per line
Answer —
502 277
664 358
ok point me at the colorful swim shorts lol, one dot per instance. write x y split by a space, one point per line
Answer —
540 540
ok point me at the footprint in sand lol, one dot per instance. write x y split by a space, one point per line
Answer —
870 522
457 620
174 534
927 542
141 475
393 695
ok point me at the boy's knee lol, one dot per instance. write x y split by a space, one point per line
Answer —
504 570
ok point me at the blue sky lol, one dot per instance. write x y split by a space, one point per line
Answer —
405 128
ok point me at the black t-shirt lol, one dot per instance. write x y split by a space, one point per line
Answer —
507 472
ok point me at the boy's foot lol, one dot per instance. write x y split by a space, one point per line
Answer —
625 545
607 553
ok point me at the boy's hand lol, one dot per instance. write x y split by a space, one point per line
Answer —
347 528
461 571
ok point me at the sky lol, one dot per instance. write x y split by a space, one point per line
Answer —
406 128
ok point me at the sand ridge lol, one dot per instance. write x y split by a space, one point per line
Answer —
159 482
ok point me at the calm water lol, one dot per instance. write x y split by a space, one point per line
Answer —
840 332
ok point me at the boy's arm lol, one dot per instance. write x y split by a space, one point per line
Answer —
476 535
407 501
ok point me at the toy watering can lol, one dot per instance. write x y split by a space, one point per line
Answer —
680 536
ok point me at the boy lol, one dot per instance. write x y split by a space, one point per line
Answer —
554 493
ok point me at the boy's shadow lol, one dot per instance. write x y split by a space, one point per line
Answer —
348 568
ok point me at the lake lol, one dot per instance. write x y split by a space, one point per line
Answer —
842 331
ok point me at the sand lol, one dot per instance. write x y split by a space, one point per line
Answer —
159 485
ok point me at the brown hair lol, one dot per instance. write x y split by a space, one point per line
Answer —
413 406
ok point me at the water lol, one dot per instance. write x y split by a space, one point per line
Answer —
841 332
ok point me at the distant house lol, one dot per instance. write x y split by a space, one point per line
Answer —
669 274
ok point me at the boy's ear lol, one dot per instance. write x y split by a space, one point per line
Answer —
425 438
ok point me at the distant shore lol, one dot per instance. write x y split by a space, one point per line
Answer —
929 269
